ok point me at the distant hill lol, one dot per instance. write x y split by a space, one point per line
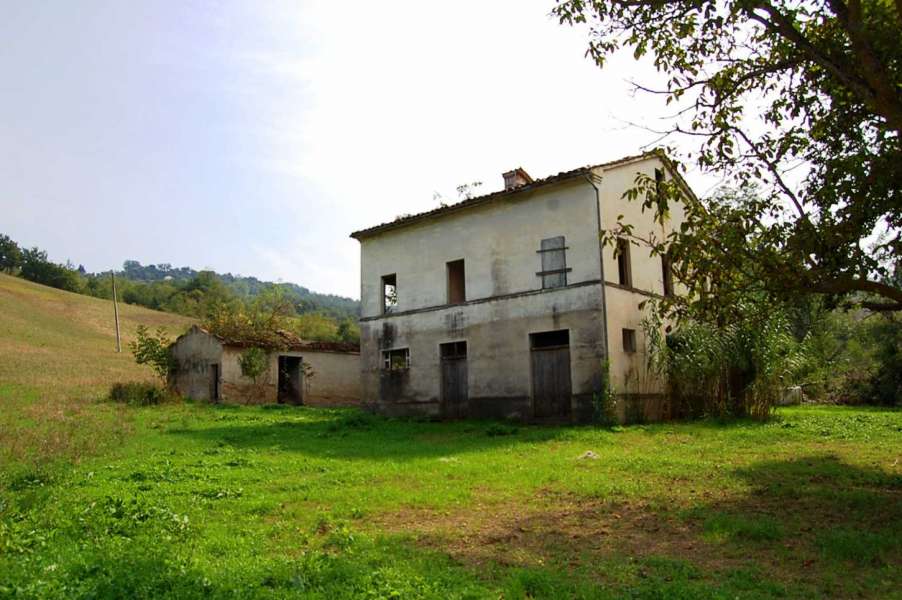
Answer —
246 287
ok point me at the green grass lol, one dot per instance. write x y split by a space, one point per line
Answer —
190 500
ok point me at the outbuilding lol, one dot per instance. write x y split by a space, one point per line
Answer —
208 367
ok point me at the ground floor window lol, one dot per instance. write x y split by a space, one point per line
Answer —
396 360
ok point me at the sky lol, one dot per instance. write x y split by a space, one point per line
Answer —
254 137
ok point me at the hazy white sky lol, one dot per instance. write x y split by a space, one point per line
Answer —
253 137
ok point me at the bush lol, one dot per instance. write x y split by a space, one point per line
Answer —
604 403
139 394
736 369
254 362
153 349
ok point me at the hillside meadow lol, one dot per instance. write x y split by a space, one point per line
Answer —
189 500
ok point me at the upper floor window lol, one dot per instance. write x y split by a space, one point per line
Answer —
554 262
457 282
389 293
624 269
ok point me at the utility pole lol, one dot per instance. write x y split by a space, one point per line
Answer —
116 312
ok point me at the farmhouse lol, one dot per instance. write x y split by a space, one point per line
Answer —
207 367
508 305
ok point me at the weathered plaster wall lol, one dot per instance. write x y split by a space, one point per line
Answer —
335 379
505 302
194 352
498 242
498 348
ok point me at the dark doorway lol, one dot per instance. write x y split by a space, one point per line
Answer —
454 380
214 383
551 391
290 389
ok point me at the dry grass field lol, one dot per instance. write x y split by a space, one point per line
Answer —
57 358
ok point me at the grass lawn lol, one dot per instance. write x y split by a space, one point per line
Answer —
192 500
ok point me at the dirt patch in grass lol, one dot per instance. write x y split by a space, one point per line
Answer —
778 531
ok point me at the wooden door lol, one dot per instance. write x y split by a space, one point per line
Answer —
455 392
551 381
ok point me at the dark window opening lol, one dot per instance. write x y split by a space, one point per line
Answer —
667 273
457 282
396 360
549 339
389 293
659 179
623 263
554 262
629 340
453 350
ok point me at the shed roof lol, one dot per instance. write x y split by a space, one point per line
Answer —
288 341
470 202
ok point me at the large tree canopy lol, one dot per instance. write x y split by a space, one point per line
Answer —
798 104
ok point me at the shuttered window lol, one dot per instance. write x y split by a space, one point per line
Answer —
554 262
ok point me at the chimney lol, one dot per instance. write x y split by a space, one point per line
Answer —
516 178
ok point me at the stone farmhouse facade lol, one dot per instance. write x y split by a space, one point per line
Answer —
300 372
508 306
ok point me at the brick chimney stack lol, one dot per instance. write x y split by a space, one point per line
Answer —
516 178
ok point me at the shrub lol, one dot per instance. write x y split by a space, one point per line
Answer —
735 369
139 394
254 362
153 349
604 404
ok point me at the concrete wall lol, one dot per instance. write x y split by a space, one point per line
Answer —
194 354
335 380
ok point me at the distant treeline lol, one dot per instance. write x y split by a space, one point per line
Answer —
185 291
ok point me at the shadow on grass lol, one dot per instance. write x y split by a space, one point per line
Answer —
353 434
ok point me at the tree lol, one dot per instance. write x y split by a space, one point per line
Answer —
798 105
254 362
10 254
36 267
152 349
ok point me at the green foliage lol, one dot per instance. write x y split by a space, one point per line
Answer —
824 79
35 267
884 386
254 362
10 254
138 394
152 349
258 322
726 368
604 401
